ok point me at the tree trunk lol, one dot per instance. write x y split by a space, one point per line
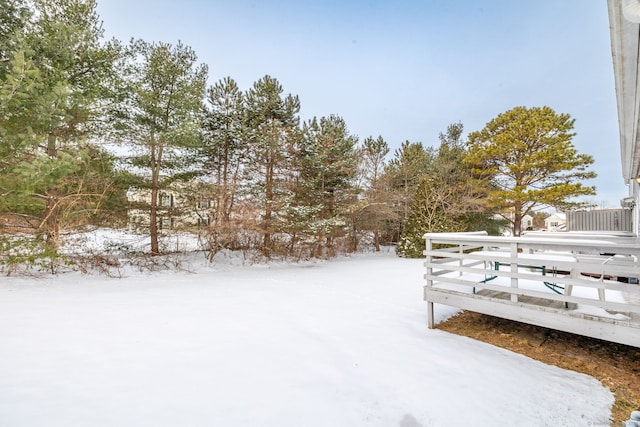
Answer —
517 221
376 239
354 236
155 186
51 220
266 244
52 223
153 226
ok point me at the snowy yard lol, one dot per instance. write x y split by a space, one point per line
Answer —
339 343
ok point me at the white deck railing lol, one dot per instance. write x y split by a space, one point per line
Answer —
585 284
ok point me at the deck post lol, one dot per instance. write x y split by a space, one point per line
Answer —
514 268
430 315
429 258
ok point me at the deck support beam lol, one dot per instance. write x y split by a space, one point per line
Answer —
622 332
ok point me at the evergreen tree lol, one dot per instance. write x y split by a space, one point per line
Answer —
50 97
466 206
14 18
271 121
429 214
327 169
225 153
448 161
446 199
526 159
410 162
161 118
372 156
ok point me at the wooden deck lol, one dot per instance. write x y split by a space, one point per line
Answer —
544 304
462 270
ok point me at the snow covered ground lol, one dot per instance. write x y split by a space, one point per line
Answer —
339 343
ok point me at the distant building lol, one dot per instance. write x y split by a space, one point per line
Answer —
178 208
556 222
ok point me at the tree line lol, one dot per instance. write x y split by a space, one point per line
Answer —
276 184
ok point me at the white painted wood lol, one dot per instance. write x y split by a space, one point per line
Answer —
430 316
524 265
609 330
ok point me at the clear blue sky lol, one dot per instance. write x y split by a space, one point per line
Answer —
407 69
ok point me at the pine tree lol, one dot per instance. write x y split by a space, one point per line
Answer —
225 156
160 118
429 214
14 18
526 159
326 166
53 73
271 120
409 163
447 199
